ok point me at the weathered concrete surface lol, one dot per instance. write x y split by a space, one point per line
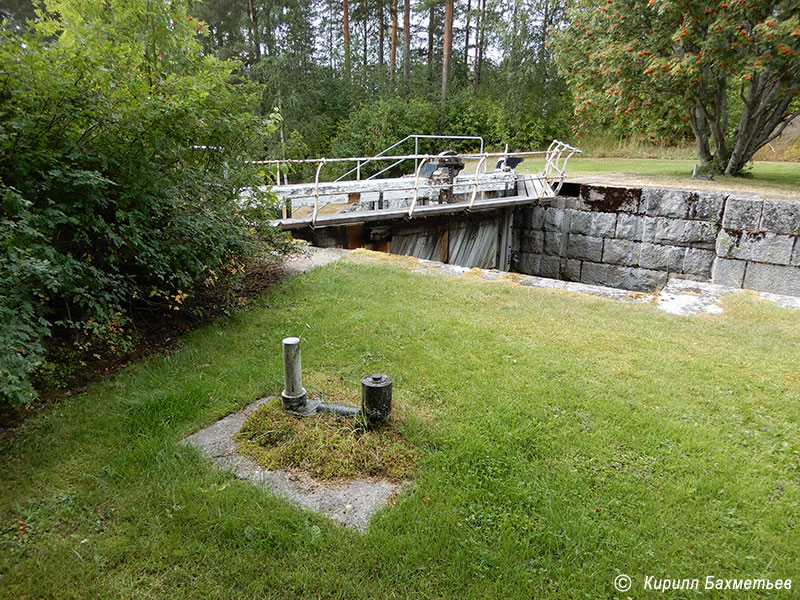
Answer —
350 502
311 256
726 188
755 246
683 297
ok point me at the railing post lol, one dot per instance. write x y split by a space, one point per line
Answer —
416 188
316 193
475 188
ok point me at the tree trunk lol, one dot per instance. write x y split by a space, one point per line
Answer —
448 45
479 48
431 28
393 53
466 35
256 38
381 28
331 45
515 35
346 30
719 120
546 16
406 44
697 120
475 62
763 118
365 48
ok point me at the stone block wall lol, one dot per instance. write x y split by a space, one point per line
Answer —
637 238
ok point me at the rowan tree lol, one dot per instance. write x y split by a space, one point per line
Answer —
727 71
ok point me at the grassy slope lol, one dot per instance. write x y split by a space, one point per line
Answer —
567 439
774 173
782 178
766 176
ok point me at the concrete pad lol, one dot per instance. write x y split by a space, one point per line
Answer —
350 502
687 297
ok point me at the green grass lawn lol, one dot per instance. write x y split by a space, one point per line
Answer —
765 176
564 440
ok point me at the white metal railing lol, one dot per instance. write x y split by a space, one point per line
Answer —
548 181
416 137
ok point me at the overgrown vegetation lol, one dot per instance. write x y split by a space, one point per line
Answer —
568 439
329 447
123 150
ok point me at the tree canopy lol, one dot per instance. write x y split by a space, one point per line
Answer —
727 71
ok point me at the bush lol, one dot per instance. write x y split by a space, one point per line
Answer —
466 114
381 123
122 149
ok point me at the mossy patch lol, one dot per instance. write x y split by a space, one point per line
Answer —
327 446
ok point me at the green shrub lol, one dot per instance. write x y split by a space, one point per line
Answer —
107 197
376 126
381 123
466 114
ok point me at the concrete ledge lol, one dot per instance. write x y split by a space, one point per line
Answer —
665 203
609 199
705 206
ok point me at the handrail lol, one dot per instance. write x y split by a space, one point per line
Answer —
473 156
416 137
553 155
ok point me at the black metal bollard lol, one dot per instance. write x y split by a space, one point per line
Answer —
376 397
